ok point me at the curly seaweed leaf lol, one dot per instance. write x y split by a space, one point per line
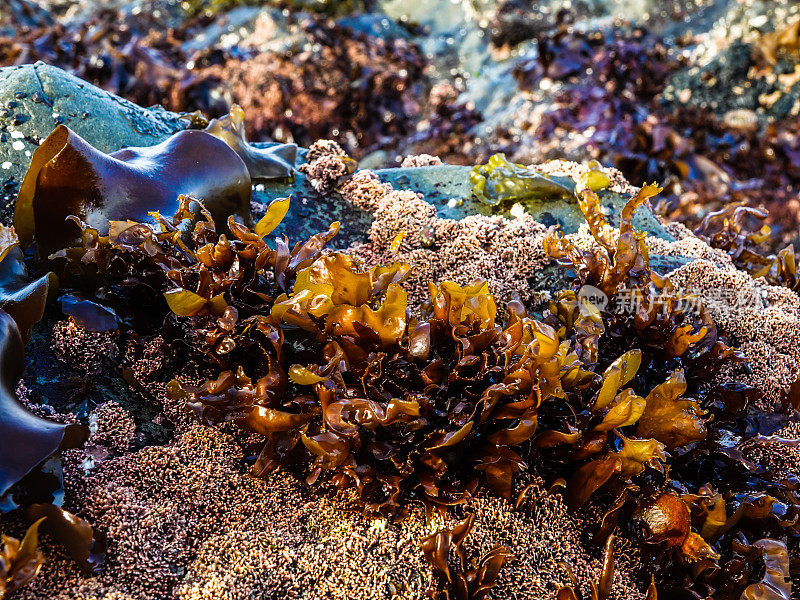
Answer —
674 421
619 373
466 580
276 211
455 304
20 561
28 440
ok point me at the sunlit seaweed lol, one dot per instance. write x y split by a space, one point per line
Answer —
464 579
500 181
322 359
19 561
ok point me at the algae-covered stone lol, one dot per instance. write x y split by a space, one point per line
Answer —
36 98
311 212
448 187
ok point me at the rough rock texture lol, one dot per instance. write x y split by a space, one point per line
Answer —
36 98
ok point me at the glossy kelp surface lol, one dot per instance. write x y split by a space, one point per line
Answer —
274 162
21 296
68 176
30 439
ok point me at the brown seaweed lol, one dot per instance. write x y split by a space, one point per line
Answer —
68 176
321 359
777 582
28 439
85 545
21 296
272 162
599 589
19 561
464 579
741 232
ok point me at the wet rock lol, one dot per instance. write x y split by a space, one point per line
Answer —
449 189
375 24
38 97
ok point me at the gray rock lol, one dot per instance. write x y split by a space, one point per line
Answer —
449 189
35 98
311 213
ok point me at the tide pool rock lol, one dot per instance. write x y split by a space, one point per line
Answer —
34 99
448 188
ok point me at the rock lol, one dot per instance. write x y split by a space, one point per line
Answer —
375 24
449 189
311 212
445 186
36 98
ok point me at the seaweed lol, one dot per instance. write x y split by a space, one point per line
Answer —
29 438
500 181
728 229
21 296
68 176
464 580
86 546
323 361
273 162
600 589
777 582
733 229
19 561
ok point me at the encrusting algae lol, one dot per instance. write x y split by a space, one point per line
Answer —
622 429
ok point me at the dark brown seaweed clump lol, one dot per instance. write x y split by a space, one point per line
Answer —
616 402
464 579
733 229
